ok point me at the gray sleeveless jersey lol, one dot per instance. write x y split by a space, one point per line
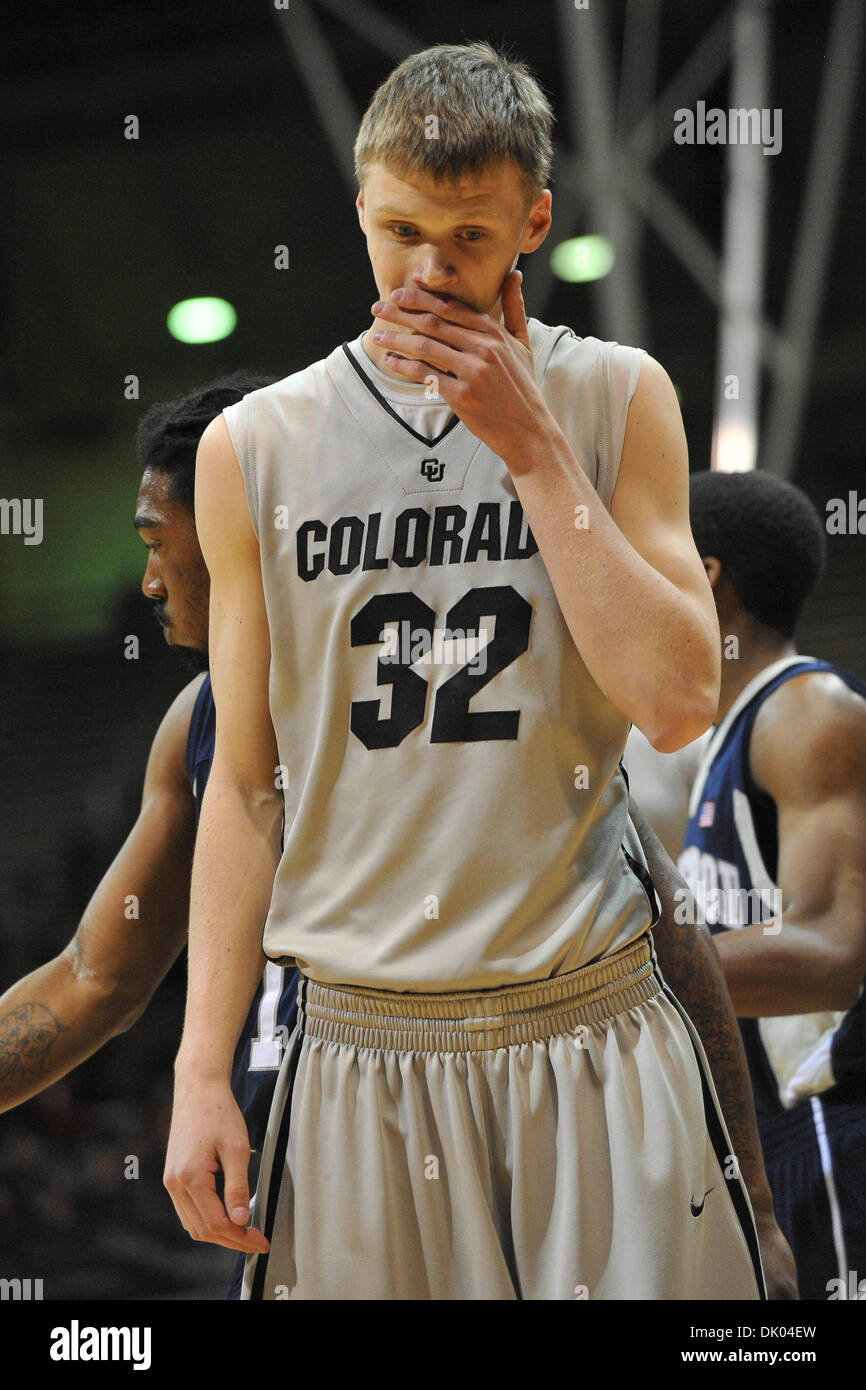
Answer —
455 817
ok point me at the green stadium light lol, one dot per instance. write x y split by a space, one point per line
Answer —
582 258
201 320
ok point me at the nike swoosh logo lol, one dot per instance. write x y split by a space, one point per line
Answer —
697 1208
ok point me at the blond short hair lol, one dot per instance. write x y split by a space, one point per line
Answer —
457 109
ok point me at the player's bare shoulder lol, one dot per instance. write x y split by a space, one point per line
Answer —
653 472
810 730
225 532
654 410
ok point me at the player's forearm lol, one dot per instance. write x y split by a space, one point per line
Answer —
690 966
50 1021
236 857
646 645
777 968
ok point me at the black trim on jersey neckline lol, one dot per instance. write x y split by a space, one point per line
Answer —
372 388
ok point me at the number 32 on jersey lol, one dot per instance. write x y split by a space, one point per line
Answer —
452 720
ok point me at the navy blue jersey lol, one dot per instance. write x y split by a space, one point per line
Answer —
272 1013
730 860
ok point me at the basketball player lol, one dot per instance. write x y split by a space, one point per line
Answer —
101 983
489 1093
775 851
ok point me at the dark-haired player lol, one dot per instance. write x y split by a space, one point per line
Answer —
489 1093
64 1011
775 851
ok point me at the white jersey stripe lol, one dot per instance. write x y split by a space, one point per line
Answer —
830 1184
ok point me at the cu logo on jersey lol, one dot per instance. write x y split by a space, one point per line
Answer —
433 470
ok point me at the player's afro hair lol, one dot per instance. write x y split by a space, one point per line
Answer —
768 538
169 433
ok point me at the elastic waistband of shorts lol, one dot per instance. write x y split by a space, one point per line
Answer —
481 1021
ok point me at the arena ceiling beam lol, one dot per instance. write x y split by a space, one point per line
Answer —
824 179
326 87
591 97
738 358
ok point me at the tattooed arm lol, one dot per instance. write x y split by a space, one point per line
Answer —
690 965
98 986
28 1031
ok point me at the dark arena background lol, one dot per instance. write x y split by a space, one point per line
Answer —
234 179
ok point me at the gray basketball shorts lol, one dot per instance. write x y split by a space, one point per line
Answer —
553 1140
